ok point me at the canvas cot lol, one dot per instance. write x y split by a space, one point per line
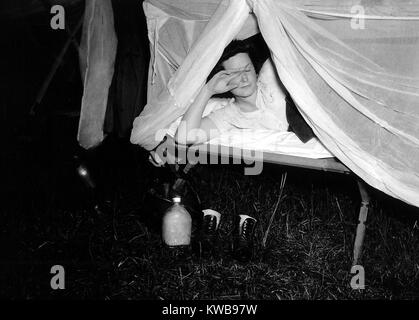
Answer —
350 66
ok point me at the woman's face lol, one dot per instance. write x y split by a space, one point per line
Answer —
247 80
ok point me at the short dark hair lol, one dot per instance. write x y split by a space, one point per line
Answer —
234 47
254 46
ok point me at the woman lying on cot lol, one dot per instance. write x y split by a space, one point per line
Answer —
257 103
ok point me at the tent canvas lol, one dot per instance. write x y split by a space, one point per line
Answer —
355 81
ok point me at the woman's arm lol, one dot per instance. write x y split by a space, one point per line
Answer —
192 118
193 129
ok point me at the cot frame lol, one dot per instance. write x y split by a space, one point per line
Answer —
325 164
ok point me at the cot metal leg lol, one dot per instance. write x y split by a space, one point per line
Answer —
363 213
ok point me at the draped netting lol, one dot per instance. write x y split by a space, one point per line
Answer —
354 78
97 57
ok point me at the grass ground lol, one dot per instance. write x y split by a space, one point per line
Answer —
116 253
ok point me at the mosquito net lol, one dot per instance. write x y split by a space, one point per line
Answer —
351 67
97 54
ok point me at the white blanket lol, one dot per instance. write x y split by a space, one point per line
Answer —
274 142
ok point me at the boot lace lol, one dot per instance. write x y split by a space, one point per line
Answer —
210 224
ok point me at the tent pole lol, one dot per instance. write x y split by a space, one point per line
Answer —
363 214
54 67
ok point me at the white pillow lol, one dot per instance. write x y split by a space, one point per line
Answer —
274 88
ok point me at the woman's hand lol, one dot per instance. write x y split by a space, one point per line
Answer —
223 81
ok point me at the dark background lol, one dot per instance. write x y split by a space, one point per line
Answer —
40 153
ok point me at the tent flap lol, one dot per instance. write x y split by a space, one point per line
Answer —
97 55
